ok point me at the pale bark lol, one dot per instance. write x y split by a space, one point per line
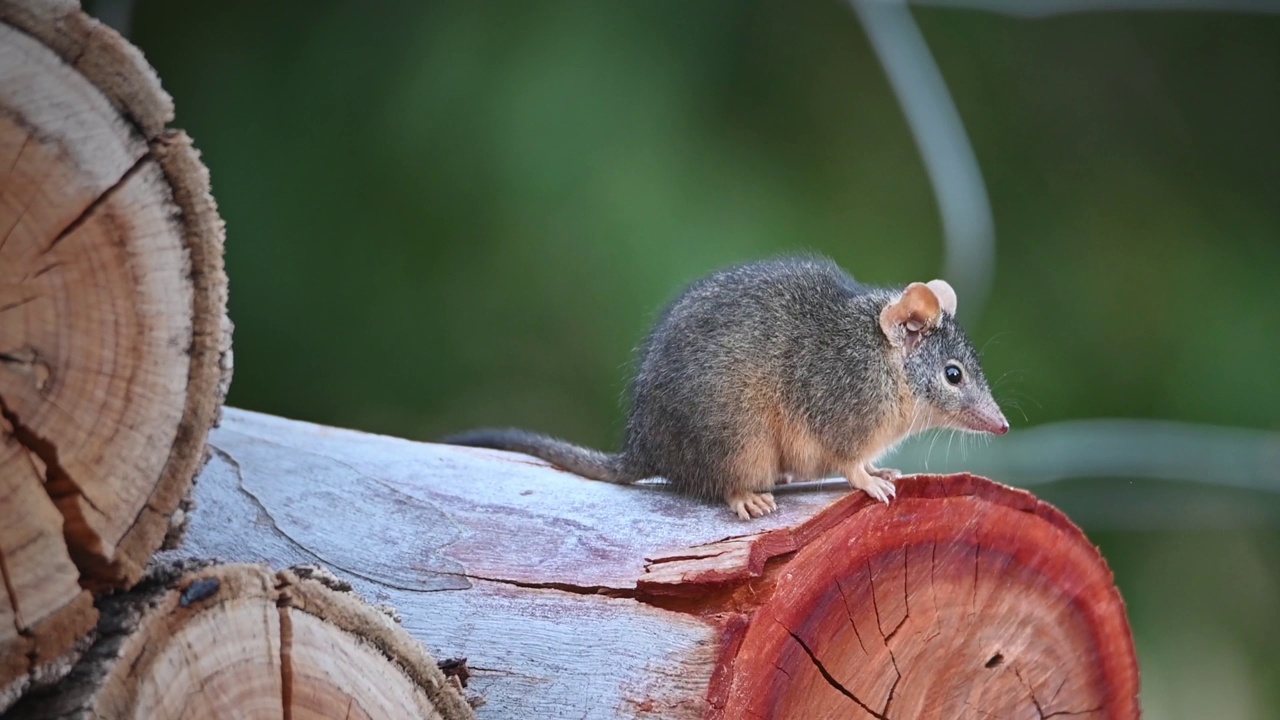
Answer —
574 598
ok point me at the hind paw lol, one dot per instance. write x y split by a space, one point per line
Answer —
749 505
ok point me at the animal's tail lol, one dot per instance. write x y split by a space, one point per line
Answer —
579 460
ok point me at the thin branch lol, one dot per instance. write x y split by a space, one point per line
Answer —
967 223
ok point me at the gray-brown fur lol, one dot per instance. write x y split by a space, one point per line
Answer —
775 367
576 459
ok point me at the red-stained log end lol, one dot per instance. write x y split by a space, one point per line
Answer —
964 598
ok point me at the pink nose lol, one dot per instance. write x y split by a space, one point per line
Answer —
1002 428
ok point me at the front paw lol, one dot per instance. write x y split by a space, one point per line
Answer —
884 473
876 485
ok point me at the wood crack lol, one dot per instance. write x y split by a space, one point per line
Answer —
1031 693
973 603
632 593
11 306
933 591
286 656
59 482
99 201
906 600
86 549
650 562
822 669
848 609
875 604
509 673
561 586
26 206
303 549
13 596
1040 708
23 631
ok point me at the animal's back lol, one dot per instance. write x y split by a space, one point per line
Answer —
722 363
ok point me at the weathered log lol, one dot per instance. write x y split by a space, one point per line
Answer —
201 643
571 598
114 340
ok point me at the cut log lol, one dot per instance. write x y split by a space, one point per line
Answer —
114 340
572 598
201 643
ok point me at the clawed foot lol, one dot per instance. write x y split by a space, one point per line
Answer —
884 473
751 505
876 482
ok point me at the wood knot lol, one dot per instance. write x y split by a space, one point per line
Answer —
27 362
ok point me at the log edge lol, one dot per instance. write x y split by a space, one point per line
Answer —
737 624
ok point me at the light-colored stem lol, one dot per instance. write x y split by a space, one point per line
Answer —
968 227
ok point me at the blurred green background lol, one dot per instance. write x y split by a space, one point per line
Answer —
442 215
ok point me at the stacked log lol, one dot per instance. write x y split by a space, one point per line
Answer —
115 357
555 596
219 641
114 341
571 598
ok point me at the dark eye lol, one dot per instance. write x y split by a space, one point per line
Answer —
953 373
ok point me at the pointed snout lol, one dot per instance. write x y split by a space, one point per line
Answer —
987 419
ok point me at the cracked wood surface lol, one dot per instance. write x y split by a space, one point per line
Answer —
205 642
114 342
529 573
573 598
968 599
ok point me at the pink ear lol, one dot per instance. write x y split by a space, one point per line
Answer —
946 295
904 319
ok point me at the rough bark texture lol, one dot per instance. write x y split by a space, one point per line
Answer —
222 641
114 340
572 598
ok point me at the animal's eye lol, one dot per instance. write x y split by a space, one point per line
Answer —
954 374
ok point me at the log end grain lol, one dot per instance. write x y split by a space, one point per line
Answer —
115 343
200 641
964 596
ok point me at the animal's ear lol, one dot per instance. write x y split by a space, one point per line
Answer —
946 295
905 319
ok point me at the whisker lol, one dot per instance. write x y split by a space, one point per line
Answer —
1017 375
993 339
929 453
1024 396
